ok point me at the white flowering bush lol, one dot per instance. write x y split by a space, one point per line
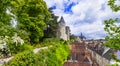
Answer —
15 44
4 50
10 45
17 40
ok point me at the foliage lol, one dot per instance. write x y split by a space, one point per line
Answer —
24 35
32 16
114 34
47 40
113 6
115 57
73 38
4 17
50 56
113 30
12 45
4 50
15 44
40 58
26 58
53 56
52 28
7 30
115 65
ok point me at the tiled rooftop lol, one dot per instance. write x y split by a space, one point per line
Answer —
78 56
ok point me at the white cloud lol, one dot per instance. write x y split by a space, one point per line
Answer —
50 3
88 15
117 2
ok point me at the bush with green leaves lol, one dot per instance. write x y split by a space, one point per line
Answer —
12 45
40 58
48 42
16 45
53 56
26 58
4 50
56 55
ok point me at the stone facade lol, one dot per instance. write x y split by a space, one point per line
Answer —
100 53
63 31
68 32
101 61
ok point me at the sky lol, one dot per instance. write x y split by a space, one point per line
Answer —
84 16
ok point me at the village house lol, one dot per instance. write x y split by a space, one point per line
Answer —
79 56
91 53
101 54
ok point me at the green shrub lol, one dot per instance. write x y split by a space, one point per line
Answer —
19 48
26 58
114 65
27 47
40 58
53 56
57 54
51 40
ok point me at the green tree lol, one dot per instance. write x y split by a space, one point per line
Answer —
113 30
6 28
4 16
113 6
113 37
52 28
32 16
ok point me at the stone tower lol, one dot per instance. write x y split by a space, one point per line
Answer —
82 37
63 31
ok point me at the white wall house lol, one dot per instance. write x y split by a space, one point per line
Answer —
103 56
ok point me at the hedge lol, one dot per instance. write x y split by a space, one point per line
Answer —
53 56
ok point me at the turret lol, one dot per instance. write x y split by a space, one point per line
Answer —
82 37
62 22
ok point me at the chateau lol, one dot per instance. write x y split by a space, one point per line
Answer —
63 30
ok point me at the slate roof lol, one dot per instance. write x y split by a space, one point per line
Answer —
86 59
104 52
100 51
107 55
62 20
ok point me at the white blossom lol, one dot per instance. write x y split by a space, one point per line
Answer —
2 42
17 39
2 46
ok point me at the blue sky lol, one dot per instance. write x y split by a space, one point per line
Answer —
86 16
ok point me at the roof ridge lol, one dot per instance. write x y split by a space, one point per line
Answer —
105 51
